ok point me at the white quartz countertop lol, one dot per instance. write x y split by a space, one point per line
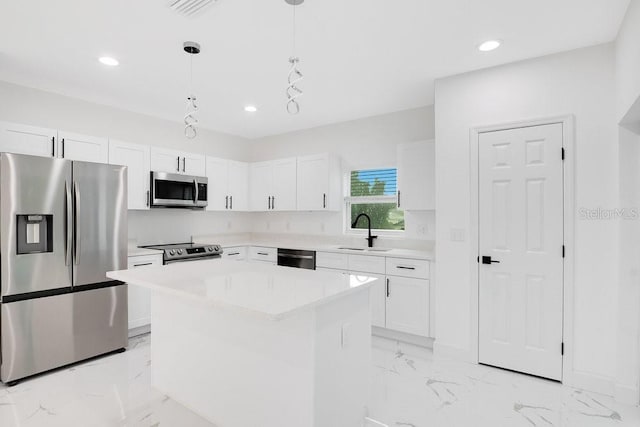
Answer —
265 290
345 249
133 250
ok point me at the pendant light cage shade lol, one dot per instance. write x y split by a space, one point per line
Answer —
190 120
295 76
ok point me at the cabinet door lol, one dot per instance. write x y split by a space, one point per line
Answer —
217 191
416 175
193 164
137 159
237 253
408 305
260 177
377 297
31 140
313 182
83 148
165 160
238 185
284 184
139 297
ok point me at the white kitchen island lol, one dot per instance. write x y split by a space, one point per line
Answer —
253 345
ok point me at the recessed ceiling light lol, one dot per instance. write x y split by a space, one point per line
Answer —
489 45
250 109
107 60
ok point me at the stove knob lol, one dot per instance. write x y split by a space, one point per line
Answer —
210 249
217 248
172 252
179 251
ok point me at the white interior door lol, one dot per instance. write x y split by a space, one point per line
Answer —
520 229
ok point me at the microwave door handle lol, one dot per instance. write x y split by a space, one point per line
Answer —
68 224
76 228
195 193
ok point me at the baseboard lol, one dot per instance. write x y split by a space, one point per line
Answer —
140 330
403 337
445 351
627 394
592 382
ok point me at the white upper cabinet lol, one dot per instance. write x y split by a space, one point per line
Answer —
319 183
31 140
416 176
228 185
83 148
273 185
137 159
176 161
283 190
238 185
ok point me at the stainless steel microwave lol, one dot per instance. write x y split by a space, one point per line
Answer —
170 190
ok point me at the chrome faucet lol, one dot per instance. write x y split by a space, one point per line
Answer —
369 237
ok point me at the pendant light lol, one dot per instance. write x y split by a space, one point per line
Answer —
295 76
190 121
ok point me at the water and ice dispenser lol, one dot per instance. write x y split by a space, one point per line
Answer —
35 234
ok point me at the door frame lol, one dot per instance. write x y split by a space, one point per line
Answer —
568 176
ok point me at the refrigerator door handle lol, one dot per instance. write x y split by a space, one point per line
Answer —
68 224
76 228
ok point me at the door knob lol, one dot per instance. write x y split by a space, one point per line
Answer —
487 260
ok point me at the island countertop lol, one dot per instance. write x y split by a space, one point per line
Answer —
269 291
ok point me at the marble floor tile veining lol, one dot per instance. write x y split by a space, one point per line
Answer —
408 389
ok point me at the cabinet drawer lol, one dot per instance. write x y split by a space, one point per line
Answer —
416 268
260 253
366 264
332 260
144 261
238 253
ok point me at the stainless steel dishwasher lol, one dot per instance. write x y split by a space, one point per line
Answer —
297 258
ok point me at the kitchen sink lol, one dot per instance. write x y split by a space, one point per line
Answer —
364 249
378 249
351 249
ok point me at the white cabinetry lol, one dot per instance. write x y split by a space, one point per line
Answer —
30 140
175 161
228 185
84 148
416 176
237 253
263 254
36 141
273 185
318 183
136 158
139 297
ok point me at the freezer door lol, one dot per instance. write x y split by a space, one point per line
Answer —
35 219
45 333
100 222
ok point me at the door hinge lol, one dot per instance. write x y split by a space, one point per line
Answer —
562 349
562 153
563 251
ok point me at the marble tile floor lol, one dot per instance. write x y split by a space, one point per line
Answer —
409 389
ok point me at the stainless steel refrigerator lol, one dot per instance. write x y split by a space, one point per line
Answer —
63 225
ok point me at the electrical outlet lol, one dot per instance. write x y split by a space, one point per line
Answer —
457 234
288 226
229 225
268 227
322 227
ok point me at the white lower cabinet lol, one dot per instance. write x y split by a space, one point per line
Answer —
237 253
376 298
263 254
140 298
407 305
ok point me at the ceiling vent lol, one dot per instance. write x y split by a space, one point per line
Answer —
190 8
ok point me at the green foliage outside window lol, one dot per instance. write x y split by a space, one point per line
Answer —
379 183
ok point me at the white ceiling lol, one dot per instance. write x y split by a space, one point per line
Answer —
359 57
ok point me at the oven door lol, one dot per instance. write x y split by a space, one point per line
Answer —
178 191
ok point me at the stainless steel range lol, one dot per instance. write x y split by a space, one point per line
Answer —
181 252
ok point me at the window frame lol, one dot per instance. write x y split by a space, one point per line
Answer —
349 200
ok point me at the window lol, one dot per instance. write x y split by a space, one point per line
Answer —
373 191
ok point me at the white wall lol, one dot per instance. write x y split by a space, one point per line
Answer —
628 60
628 313
364 143
20 104
581 83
